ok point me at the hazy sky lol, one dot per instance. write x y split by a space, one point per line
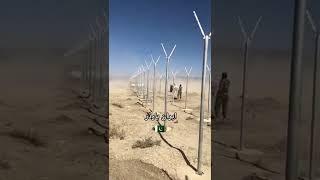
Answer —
49 23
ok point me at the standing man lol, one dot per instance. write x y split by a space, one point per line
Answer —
171 88
180 92
174 91
222 97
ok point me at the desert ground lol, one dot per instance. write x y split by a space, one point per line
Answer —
174 153
265 125
265 122
44 124
46 128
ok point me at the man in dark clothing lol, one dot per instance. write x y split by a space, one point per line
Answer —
171 88
180 91
222 97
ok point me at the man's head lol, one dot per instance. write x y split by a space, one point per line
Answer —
224 75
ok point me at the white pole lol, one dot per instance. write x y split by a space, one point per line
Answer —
188 73
160 87
103 61
154 80
315 98
144 85
147 100
165 91
248 40
99 63
106 61
140 82
94 73
166 81
185 104
209 91
137 83
143 81
94 46
91 52
148 70
154 87
206 41
292 160
204 63
160 78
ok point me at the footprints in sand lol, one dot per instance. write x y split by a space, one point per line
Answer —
63 119
10 107
31 137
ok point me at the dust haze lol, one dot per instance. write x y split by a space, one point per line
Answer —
266 117
44 128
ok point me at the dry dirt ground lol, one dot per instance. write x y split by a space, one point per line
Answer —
44 133
265 128
264 138
264 153
43 129
176 155
265 123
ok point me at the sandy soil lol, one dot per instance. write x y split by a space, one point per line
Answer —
264 139
266 120
177 153
264 136
43 129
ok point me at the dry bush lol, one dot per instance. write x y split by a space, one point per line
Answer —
258 163
70 106
148 142
117 105
255 176
279 146
64 118
30 137
4 164
115 132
